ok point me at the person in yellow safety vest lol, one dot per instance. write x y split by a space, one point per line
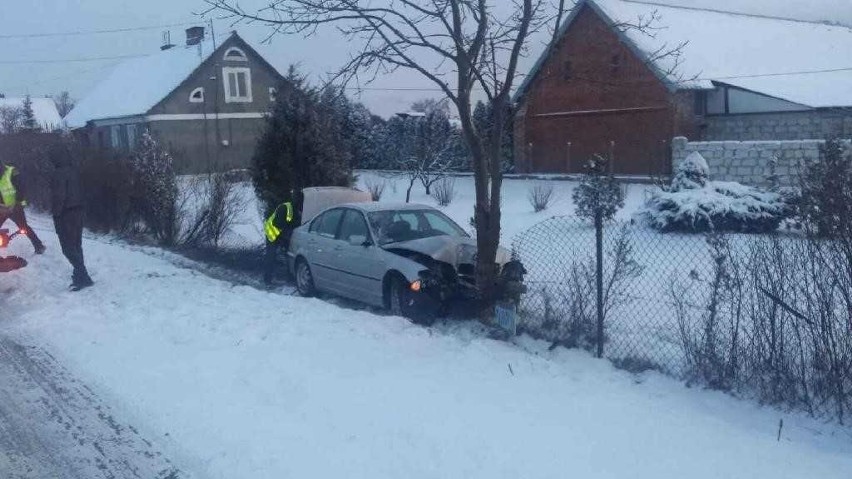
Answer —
278 228
13 201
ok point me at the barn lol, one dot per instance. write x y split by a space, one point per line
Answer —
623 78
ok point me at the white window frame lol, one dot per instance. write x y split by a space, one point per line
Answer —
273 94
226 76
241 58
132 136
115 136
192 94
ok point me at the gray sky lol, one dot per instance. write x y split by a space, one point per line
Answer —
315 55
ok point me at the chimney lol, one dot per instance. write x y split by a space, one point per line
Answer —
167 41
194 35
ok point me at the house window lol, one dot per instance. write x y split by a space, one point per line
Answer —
700 103
115 136
615 64
131 137
235 54
567 70
197 95
272 94
237 85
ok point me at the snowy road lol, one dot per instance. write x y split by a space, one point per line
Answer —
234 382
53 426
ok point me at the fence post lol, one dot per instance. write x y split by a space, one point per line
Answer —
599 280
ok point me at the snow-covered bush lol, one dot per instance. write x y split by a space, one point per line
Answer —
693 203
691 173
540 195
156 199
219 202
445 191
375 187
599 196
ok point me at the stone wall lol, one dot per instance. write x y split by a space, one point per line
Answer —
748 162
812 124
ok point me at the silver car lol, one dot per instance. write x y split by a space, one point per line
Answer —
411 259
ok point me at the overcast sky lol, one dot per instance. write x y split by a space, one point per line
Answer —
316 56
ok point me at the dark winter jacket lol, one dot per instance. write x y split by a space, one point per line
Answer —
66 188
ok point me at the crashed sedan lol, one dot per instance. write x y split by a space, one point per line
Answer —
410 259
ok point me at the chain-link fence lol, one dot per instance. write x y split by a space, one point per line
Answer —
763 315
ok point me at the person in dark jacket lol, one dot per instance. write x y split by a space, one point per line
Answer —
13 199
67 207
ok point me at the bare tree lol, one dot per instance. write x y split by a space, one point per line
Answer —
10 119
462 46
64 103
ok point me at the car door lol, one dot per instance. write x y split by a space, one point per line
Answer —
359 260
322 239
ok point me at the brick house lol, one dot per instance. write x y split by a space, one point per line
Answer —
603 87
205 103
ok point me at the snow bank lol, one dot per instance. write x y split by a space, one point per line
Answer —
243 383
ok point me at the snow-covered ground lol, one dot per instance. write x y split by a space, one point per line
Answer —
518 214
235 382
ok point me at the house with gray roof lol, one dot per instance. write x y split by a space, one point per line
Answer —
204 102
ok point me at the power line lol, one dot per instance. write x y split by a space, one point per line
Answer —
96 32
779 74
68 60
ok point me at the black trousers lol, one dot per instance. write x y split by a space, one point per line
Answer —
69 229
271 252
20 219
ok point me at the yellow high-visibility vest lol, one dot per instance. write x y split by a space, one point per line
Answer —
272 231
8 193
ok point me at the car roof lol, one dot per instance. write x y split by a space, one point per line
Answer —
372 206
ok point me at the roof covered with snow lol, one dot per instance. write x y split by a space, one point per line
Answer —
802 62
137 85
44 110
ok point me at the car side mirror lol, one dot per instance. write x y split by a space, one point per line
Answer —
359 240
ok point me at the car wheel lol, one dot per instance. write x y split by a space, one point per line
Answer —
400 300
304 278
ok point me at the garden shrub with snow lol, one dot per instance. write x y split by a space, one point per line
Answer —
693 203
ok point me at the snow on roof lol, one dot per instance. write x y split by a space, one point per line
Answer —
44 110
135 86
802 62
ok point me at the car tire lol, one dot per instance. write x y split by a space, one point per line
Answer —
304 278
399 301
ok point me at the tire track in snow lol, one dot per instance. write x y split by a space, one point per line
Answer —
53 426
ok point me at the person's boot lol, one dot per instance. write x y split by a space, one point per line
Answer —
40 248
80 280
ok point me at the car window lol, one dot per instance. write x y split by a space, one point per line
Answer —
443 224
353 225
326 224
397 226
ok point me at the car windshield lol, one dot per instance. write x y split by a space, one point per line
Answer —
393 226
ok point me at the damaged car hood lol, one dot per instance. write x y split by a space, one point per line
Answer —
447 249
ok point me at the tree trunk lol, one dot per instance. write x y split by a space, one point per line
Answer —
408 191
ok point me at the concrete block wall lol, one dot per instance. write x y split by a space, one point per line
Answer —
748 162
815 124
